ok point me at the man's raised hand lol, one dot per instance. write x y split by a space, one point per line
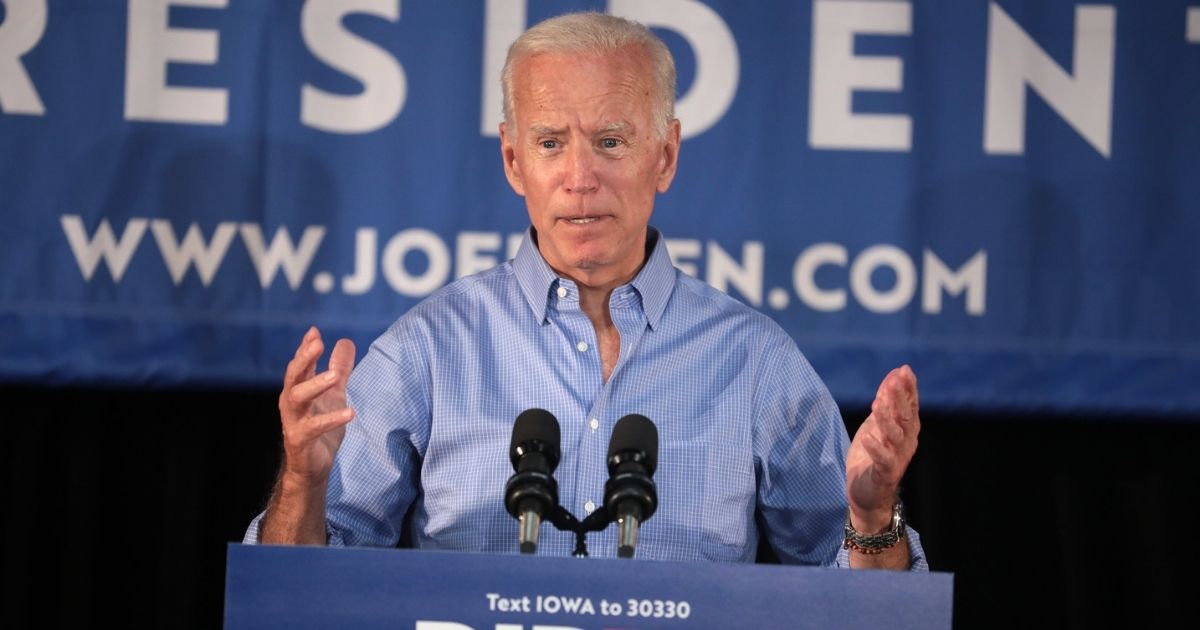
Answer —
881 451
312 408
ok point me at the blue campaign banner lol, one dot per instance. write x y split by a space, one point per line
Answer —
1004 194
315 587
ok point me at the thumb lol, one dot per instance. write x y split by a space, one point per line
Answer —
342 358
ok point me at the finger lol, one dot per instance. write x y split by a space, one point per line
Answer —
304 392
906 382
883 435
885 395
342 357
897 397
912 391
883 459
884 409
300 433
304 365
326 422
881 391
309 335
889 432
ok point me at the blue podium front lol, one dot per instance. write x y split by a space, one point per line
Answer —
315 587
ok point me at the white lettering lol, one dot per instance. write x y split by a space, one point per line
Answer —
469 252
715 50
804 276
514 244
383 78
116 254
180 256
365 243
504 21
22 29
441 625
435 252
864 291
836 72
150 45
578 606
1083 100
724 271
971 277
281 253
682 251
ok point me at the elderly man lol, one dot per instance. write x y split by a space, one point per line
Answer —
592 322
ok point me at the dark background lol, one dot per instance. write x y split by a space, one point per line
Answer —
118 505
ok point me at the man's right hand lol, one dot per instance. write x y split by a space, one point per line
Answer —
312 408
314 414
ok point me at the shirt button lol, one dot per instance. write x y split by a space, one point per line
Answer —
589 507
581 346
595 424
562 292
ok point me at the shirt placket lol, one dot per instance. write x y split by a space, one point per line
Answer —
581 493
624 308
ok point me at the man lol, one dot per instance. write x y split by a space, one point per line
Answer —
591 322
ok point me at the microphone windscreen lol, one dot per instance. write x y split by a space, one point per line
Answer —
636 432
536 424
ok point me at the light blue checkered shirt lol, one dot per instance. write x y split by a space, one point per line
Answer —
751 443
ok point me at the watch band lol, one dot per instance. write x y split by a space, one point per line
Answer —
875 543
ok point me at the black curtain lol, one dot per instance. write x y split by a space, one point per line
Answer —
118 505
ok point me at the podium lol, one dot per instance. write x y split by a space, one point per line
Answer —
318 587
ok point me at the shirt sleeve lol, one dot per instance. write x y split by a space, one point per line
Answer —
376 474
800 445
251 536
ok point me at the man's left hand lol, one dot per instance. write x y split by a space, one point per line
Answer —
881 451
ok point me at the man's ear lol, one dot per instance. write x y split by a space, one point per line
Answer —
668 161
508 153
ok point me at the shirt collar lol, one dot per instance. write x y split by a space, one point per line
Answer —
653 283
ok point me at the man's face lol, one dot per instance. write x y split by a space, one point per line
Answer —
583 151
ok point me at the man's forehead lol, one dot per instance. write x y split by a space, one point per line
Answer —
614 88
623 71
634 60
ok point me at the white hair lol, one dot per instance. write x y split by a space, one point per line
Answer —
596 33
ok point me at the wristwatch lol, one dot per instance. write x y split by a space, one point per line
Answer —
875 543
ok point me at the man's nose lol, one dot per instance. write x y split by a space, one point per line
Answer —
580 176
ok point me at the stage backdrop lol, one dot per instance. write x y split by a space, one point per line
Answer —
1004 194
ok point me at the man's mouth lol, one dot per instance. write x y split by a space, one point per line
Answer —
582 220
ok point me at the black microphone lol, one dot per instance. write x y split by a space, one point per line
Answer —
532 492
629 495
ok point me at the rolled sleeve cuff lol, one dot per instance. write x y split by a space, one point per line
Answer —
251 537
333 538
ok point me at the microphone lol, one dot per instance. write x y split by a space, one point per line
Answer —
532 492
629 495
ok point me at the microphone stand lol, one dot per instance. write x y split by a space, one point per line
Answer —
566 522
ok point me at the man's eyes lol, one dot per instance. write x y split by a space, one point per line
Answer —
605 143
